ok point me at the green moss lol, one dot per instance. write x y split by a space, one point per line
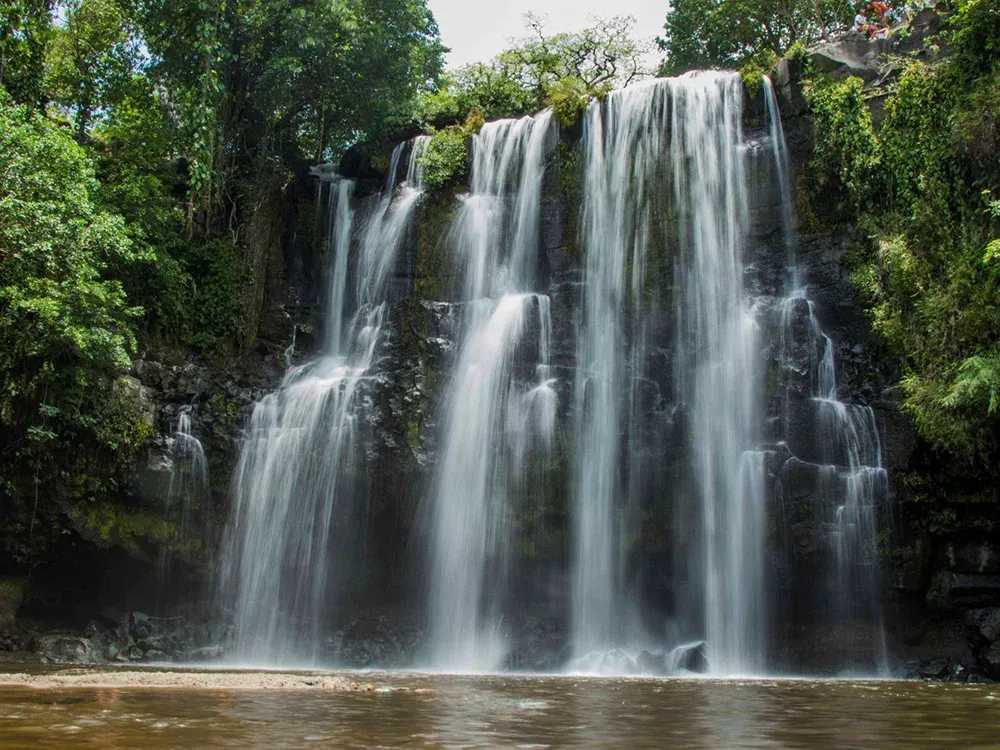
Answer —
110 525
569 167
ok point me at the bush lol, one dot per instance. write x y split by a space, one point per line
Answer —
446 160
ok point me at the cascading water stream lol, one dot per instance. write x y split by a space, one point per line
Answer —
847 433
189 492
495 236
296 495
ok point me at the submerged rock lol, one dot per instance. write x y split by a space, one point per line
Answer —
617 661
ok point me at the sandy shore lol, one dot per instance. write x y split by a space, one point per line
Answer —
188 680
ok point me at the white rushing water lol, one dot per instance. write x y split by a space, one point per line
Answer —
296 497
680 136
495 237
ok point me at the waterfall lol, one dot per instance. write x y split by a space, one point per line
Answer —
693 390
663 169
188 493
715 359
495 237
624 137
297 493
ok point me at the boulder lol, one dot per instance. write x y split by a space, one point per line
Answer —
617 661
691 657
65 649
984 638
649 663
852 56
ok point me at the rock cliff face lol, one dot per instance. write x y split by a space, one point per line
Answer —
939 598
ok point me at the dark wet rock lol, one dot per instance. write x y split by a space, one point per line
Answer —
984 638
964 589
971 556
691 657
933 669
11 596
649 663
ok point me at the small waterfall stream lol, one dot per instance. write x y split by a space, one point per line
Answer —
850 449
188 493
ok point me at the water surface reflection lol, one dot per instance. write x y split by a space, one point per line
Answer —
413 711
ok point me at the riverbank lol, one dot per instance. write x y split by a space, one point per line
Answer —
193 679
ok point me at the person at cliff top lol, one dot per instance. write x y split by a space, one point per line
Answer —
879 28
861 24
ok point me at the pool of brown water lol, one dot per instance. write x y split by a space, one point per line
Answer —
412 710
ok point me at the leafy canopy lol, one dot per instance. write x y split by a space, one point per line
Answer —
540 70
731 33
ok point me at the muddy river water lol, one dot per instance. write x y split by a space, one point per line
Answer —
63 707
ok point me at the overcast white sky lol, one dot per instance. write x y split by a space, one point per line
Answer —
479 29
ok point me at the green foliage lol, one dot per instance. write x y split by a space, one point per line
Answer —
68 428
562 71
216 318
91 59
920 190
731 33
56 310
752 75
446 160
846 155
568 98
24 32
255 84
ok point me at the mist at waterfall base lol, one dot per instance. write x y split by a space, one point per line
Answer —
676 394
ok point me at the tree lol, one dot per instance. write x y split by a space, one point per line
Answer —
24 31
729 33
602 56
261 84
542 70
91 59
65 330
